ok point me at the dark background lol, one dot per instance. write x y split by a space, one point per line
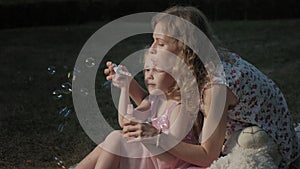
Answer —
36 34
15 13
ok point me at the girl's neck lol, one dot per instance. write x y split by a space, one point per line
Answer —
165 97
173 97
163 104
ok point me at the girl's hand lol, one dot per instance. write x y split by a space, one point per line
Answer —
119 80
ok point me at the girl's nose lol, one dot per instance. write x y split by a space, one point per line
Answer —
150 74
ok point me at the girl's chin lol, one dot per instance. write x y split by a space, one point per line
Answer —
156 92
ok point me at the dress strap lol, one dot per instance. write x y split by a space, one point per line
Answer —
171 108
154 104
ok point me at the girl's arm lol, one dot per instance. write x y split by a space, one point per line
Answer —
137 93
123 103
141 113
123 82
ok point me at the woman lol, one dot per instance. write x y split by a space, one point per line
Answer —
251 99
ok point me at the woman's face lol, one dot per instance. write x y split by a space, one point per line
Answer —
163 42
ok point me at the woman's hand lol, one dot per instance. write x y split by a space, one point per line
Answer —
109 71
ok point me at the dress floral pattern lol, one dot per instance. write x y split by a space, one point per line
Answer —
261 103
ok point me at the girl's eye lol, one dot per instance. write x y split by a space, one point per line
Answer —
161 44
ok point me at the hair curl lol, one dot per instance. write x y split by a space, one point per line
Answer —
194 63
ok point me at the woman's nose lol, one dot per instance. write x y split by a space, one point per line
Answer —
152 48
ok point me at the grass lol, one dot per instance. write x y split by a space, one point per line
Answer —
272 46
29 115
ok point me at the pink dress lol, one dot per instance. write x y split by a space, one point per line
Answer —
163 122
137 156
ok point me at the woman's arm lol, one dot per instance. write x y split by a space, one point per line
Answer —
213 132
137 93
217 100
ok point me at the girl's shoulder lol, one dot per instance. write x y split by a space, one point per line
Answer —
145 105
173 104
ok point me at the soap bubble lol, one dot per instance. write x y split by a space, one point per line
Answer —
51 70
65 112
59 162
106 83
90 62
61 127
57 94
84 91
72 74
66 87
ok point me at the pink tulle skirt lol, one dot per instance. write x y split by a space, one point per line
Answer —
131 154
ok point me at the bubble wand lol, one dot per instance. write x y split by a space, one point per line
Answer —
118 70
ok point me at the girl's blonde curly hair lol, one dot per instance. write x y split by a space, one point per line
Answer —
178 28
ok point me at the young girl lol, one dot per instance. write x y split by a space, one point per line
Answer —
161 109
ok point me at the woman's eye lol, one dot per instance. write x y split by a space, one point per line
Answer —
159 70
161 44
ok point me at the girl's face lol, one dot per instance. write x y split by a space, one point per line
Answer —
158 62
162 41
157 80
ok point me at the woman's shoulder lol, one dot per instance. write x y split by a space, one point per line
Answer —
227 56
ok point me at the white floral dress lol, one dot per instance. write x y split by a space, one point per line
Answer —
261 103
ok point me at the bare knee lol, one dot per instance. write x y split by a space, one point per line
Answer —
112 142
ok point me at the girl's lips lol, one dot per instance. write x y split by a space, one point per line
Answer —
150 84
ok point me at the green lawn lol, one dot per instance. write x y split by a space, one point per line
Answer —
29 136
